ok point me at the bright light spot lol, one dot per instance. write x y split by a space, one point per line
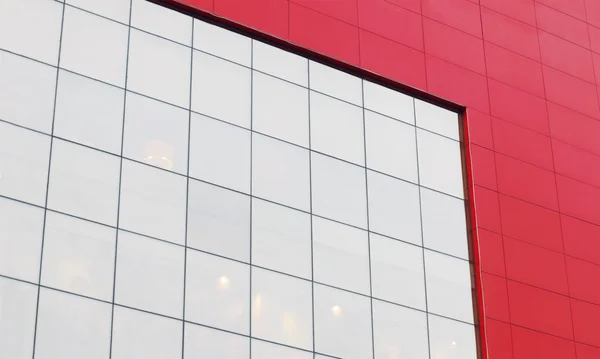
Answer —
336 310
453 343
224 282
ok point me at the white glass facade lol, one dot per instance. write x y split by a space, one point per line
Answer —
171 189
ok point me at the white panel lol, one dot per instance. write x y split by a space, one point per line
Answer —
389 102
161 21
280 63
440 165
335 83
437 119
223 43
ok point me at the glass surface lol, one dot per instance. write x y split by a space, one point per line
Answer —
389 102
440 164
280 63
339 190
217 292
149 275
281 238
79 256
114 9
218 221
21 229
156 133
202 342
437 119
72 327
220 153
450 339
153 202
335 83
94 46
264 350
84 182
18 302
341 256
281 309
280 172
27 92
161 21
336 128
223 43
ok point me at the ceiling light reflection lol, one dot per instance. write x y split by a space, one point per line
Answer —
336 310
224 282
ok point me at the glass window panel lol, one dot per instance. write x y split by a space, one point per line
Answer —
18 303
336 83
440 164
281 238
156 133
342 323
139 335
339 190
89 112
280 63
437 119
84 182
450 339
341 256
159 68
220 153
448 286
23 164
161 21
336 128
219 221
79 256
444 223
37 23
389 102
222 43
281 309
397 272
21 228
72 327
149 275
217 292
115 9
280 172
280 109
221 89
201 342
264 350
153 202
391 147
27 92
94 46
399 332
394 208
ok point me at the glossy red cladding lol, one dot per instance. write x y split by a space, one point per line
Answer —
527 72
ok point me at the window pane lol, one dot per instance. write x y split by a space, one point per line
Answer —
440 165
18 302
222 43
149 275
341 256
389 102
115 9
280 172
338 190
156 133
161 21
437 119
335 83
280 109
84 182
399 332
281 309
220 153
280 63
201 342
21 228
336 128
217 292
264 350
153 202
219 221
450 339
72 327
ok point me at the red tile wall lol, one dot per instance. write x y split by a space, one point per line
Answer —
528 72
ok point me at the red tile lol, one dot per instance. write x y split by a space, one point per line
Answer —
583 280
527 182
480 128
596 59
587 352
269 16
522 10
345 10
518 107
206 5
575 8
391 21
577 164
593 12
530 223
457 84
498 340
513 69
483 167
594 38
581 239
459 14
566 56
487 212
412 5
324 34
510 34
586 322
382 56
574 128
522 144
535 266
539 310
495 297
571 92
562 25
491 252
529 344
578 199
